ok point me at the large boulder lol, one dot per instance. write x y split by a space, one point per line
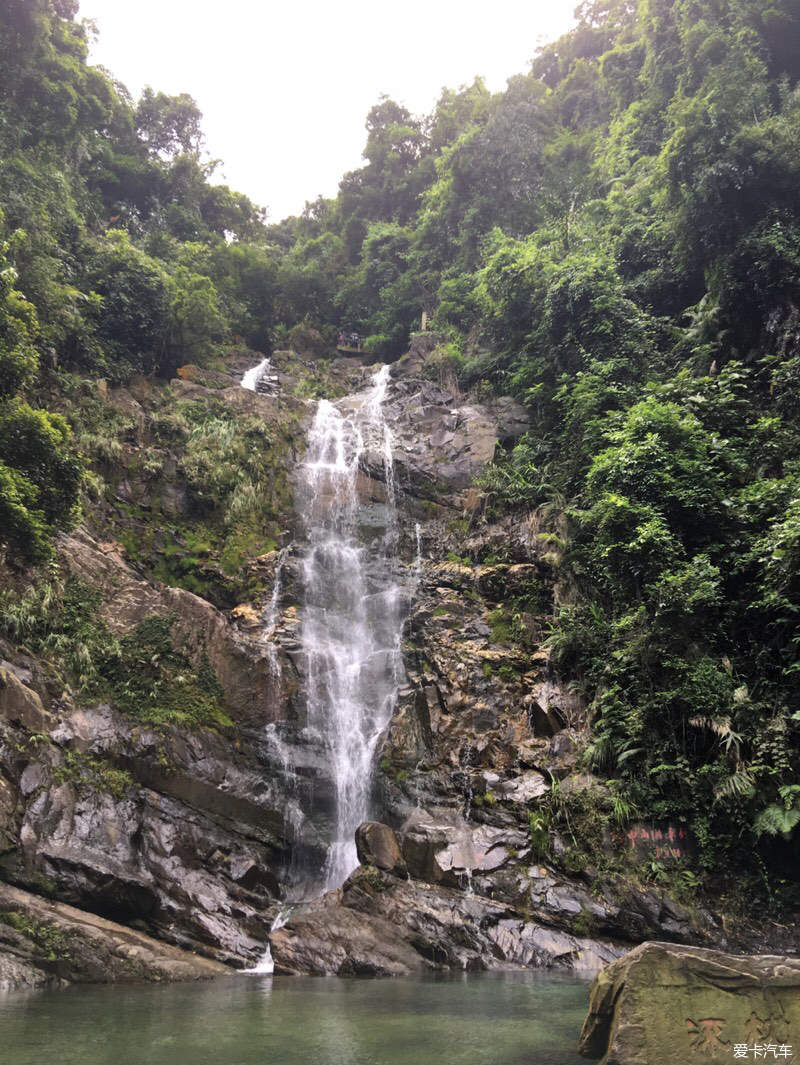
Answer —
439 444
377 845
446 849
669 1004
20 705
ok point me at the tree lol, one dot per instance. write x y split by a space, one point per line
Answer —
133 319
19 359
489 177
24 532
169 125
196 319
36 444
40 475
398 168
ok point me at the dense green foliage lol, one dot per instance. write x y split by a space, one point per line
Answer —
615 239
39 477
654 332
194 489
117 254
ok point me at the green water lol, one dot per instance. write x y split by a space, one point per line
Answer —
482 1019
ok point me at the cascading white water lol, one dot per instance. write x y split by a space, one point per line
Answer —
352 613
265 964
352 617
253 376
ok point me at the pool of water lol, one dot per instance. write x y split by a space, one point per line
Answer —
481 1019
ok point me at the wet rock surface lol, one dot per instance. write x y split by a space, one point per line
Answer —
403 925
670 1004
328 938
46 944
473 897
175 832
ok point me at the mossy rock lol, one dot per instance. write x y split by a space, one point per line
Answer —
671 1004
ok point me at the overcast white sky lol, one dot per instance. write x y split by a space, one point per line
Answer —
284 87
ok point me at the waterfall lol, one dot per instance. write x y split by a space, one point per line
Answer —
352 609
352 615
254 375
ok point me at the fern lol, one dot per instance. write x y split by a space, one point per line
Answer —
776 821
601 752
722 728
739 785
627 752
622 811
539 823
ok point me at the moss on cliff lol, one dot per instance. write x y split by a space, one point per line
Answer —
142 673
191 481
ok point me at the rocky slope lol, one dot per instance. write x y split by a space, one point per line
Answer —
195 833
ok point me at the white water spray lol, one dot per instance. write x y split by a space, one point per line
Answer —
254 375
266 965
352 616
272 614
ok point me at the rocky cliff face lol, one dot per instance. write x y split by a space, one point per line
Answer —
47 944
178 831
194 833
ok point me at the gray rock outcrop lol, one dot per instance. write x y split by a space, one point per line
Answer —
48 944
386 925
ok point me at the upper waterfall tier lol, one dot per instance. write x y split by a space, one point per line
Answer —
260 378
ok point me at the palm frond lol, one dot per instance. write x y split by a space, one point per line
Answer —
722 728
776 821
739 785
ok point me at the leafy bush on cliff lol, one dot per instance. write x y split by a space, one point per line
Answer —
40 475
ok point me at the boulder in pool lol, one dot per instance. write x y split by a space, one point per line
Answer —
670 1004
